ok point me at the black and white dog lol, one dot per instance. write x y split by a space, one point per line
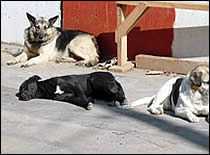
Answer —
43 42
80 89
187 97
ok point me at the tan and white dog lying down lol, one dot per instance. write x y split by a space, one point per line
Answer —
187 97
44 42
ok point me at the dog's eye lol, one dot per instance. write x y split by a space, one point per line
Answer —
37 27
45 27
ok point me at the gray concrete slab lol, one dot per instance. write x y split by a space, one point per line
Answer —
45 126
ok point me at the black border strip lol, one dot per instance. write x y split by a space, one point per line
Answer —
61 10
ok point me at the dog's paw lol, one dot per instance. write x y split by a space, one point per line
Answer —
83 63
24 65
194 119
80 63
111 104
124 105
155 111
89 106
11 62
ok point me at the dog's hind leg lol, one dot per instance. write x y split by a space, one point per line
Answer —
64 60
162 98
84 47
74 99
77 97
20 58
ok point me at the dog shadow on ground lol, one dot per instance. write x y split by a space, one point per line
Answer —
183 132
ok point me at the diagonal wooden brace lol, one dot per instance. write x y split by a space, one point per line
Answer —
129 22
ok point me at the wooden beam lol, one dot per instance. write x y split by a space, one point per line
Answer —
180 5
202 5
127 25
129 2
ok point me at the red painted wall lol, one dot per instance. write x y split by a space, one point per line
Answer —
153 34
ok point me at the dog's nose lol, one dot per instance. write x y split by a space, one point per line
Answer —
41 37
18 94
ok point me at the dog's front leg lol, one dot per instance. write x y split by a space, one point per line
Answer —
205 112
81 99
77 96
186 113
75 99
185 109
23 57
36 60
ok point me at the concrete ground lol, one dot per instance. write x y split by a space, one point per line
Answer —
45 126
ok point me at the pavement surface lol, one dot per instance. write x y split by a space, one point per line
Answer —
46 126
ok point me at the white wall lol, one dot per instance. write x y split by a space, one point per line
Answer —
191 18
191 33
14 20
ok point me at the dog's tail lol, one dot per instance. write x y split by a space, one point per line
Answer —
142 101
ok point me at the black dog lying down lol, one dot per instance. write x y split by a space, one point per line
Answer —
80 90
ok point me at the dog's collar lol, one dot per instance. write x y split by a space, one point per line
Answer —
39 43
194 87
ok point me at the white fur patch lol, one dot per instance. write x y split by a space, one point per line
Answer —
84 47
58 90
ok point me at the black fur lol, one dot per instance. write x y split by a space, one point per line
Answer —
175 91
78 89
65 37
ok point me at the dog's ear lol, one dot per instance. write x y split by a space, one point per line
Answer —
53 20
31 18
35 77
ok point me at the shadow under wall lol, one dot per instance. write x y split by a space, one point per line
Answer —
153 42
199 138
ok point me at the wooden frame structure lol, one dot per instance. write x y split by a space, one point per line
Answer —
126 23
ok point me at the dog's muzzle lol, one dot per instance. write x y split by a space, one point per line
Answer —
23 96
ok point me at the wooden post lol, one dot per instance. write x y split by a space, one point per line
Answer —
121 40
125 24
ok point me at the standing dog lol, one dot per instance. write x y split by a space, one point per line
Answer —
44 42
80 90
187 97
